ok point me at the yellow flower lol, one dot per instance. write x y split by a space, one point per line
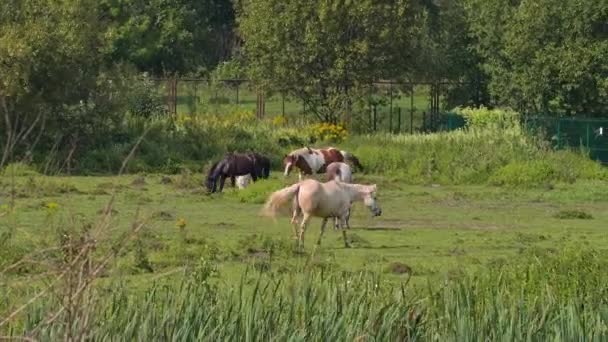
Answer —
52 205
181 223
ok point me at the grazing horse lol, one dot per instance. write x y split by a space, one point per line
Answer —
325 200
237 164
340 172
243 181
312 161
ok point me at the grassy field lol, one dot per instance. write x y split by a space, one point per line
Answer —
208 266
428 231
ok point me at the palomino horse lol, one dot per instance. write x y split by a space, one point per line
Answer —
340 172
325 200
312 161
237 164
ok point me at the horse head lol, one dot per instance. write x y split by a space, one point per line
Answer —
370 201
212 176
289 161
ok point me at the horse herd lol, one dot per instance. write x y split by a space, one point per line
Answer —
309 197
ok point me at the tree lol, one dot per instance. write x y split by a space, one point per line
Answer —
327 53
169 36
548 56
53 89
447 54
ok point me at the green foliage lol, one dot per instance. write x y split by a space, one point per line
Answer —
168 36
544 56
144 101
483 117
457 157
560 166
326 53
18 169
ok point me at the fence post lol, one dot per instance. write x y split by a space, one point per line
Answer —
559 121
390 117
238 84
399 120
588 134
375 116
283 104
412 109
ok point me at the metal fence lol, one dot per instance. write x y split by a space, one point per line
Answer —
588 134
579 132
392 106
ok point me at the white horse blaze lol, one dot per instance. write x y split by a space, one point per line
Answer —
287 168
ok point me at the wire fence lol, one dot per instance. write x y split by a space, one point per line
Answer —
569 132
396 107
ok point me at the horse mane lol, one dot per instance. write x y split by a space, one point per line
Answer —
212 169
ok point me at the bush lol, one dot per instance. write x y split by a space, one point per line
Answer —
457 157
560 166
499 118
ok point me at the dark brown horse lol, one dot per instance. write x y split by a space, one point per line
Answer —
237 164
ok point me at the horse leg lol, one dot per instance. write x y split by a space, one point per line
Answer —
254 176
222 181
344 218
305 219
322 230
294 218
346 243
233 181
347 220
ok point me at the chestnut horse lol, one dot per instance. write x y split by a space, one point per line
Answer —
312 161
325 200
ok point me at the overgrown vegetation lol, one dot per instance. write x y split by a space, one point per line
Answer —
541 297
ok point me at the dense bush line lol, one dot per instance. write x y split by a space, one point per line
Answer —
493 148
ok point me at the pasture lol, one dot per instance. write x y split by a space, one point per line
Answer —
426 231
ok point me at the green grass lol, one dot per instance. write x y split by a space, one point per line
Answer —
433 229
438 232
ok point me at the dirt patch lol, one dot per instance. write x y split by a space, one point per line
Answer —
164 215
430 224
224 225
139 181
398 268
166 180
104 211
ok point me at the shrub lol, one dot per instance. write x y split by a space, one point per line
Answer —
17 170
327 132
501 118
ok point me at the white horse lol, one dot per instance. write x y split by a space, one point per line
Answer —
340 172
325 200
243 181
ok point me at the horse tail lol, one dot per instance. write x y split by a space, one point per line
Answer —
278 199
351 158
